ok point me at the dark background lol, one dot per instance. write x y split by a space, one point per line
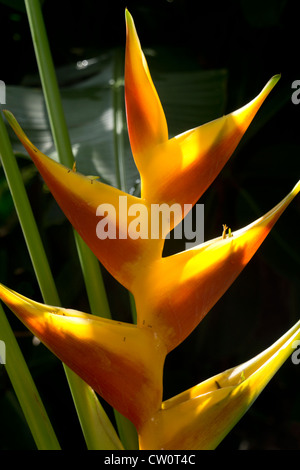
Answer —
252 40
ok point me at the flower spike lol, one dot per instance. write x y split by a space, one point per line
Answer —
178 291
199 418
109 355
123 362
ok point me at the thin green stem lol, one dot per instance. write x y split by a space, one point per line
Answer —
93 279
90 268
49 82
118 106
26 391
100 434
17 370
24 212
25 215
58 126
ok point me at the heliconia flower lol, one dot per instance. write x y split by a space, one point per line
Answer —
200 418
180 169
177 291
173 171
121 362
173 293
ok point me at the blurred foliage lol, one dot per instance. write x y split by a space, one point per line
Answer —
206 59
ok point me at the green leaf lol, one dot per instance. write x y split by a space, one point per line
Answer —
26 391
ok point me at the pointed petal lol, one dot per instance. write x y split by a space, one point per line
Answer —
104 353
178 291
80 197
199 418
180 170
146 121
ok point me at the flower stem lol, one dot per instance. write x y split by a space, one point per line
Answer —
90 266
26 391
16 367
61 138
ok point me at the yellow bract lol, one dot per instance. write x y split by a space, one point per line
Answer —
189 163
174 293
199 418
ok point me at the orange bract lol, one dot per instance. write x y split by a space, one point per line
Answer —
110 356
147 125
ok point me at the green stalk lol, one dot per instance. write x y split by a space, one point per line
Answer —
26 391
93 279
118 106
90 268
59 128
17 370
99 433
25 215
